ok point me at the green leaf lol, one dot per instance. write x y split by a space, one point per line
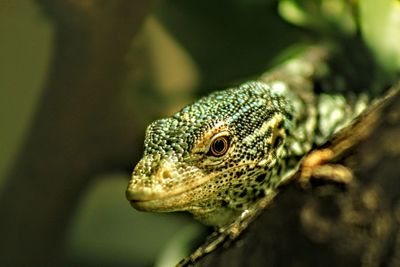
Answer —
380 27
326 17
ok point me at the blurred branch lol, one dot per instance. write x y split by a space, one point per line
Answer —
80 129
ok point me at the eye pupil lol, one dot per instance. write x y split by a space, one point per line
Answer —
219 146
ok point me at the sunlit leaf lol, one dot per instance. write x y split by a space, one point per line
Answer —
326 17
380 26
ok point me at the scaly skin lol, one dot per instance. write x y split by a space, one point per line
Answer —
218 156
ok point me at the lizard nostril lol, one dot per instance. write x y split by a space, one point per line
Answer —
166 174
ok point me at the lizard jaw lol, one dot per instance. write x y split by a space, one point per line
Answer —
169 203
160 193
173 201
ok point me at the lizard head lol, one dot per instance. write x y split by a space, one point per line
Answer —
217 154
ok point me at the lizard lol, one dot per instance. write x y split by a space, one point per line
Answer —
219 155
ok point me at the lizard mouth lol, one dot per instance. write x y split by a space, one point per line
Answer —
182 198
179 201
148 200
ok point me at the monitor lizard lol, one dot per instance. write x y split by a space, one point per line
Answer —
216 157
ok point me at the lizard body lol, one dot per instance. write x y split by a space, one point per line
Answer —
222 153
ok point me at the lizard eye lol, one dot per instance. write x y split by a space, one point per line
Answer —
219 146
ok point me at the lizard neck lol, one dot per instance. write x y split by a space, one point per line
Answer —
301 127
335 111
315 118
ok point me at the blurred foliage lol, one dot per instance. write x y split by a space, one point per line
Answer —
380 27
323 17
230 41
376 24
187 48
